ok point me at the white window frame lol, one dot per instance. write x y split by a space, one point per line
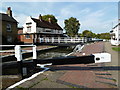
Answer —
28 28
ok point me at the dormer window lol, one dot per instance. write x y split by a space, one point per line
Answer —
28 23
8 27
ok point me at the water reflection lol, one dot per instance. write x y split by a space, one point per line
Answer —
58 52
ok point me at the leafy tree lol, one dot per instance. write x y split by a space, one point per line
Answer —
79 34
104 36
47 17
87 33
72 26
94 35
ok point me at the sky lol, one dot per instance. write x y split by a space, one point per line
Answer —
99 17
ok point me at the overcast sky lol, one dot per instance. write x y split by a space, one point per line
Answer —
95 16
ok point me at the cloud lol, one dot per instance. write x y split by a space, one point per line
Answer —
85 11
96 22
21 18
92 17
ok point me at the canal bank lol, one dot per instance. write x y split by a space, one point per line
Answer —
48 52
74 76
11 75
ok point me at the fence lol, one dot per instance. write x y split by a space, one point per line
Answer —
20 64
60 40
18 50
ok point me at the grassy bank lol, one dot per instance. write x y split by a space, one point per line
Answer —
116 48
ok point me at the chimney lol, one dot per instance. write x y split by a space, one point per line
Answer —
49 20
9 12
40 17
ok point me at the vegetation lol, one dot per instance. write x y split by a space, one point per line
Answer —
116 48
89 33
103 36
72 26
48 16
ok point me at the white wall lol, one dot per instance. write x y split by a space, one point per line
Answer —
35 29
116 31
33 26
50 31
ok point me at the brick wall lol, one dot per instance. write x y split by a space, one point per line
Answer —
12 33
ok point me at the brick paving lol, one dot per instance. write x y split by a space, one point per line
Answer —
88 78
97 47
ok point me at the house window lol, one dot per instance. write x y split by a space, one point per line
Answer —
29 29
8 27
9 39
27 36
28 23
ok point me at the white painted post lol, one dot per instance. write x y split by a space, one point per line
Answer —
102 57
74 39
71 39
58 39
34 52
39 40
18 54
52 39
48 39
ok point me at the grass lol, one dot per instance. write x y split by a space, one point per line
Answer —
116 48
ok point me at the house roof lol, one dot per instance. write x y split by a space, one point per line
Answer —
45 24
116 26
5 17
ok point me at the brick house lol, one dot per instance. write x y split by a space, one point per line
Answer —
8 28
34 29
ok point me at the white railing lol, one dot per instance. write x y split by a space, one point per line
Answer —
18 50
61 40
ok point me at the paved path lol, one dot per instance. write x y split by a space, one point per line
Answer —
88 49
75 76
115 61
89 76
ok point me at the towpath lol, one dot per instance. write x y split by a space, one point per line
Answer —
75 76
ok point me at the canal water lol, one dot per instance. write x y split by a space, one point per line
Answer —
56 52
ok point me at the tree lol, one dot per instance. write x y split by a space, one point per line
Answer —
72 26
104 36
47 17
87 33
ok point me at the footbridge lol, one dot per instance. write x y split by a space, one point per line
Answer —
61 41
